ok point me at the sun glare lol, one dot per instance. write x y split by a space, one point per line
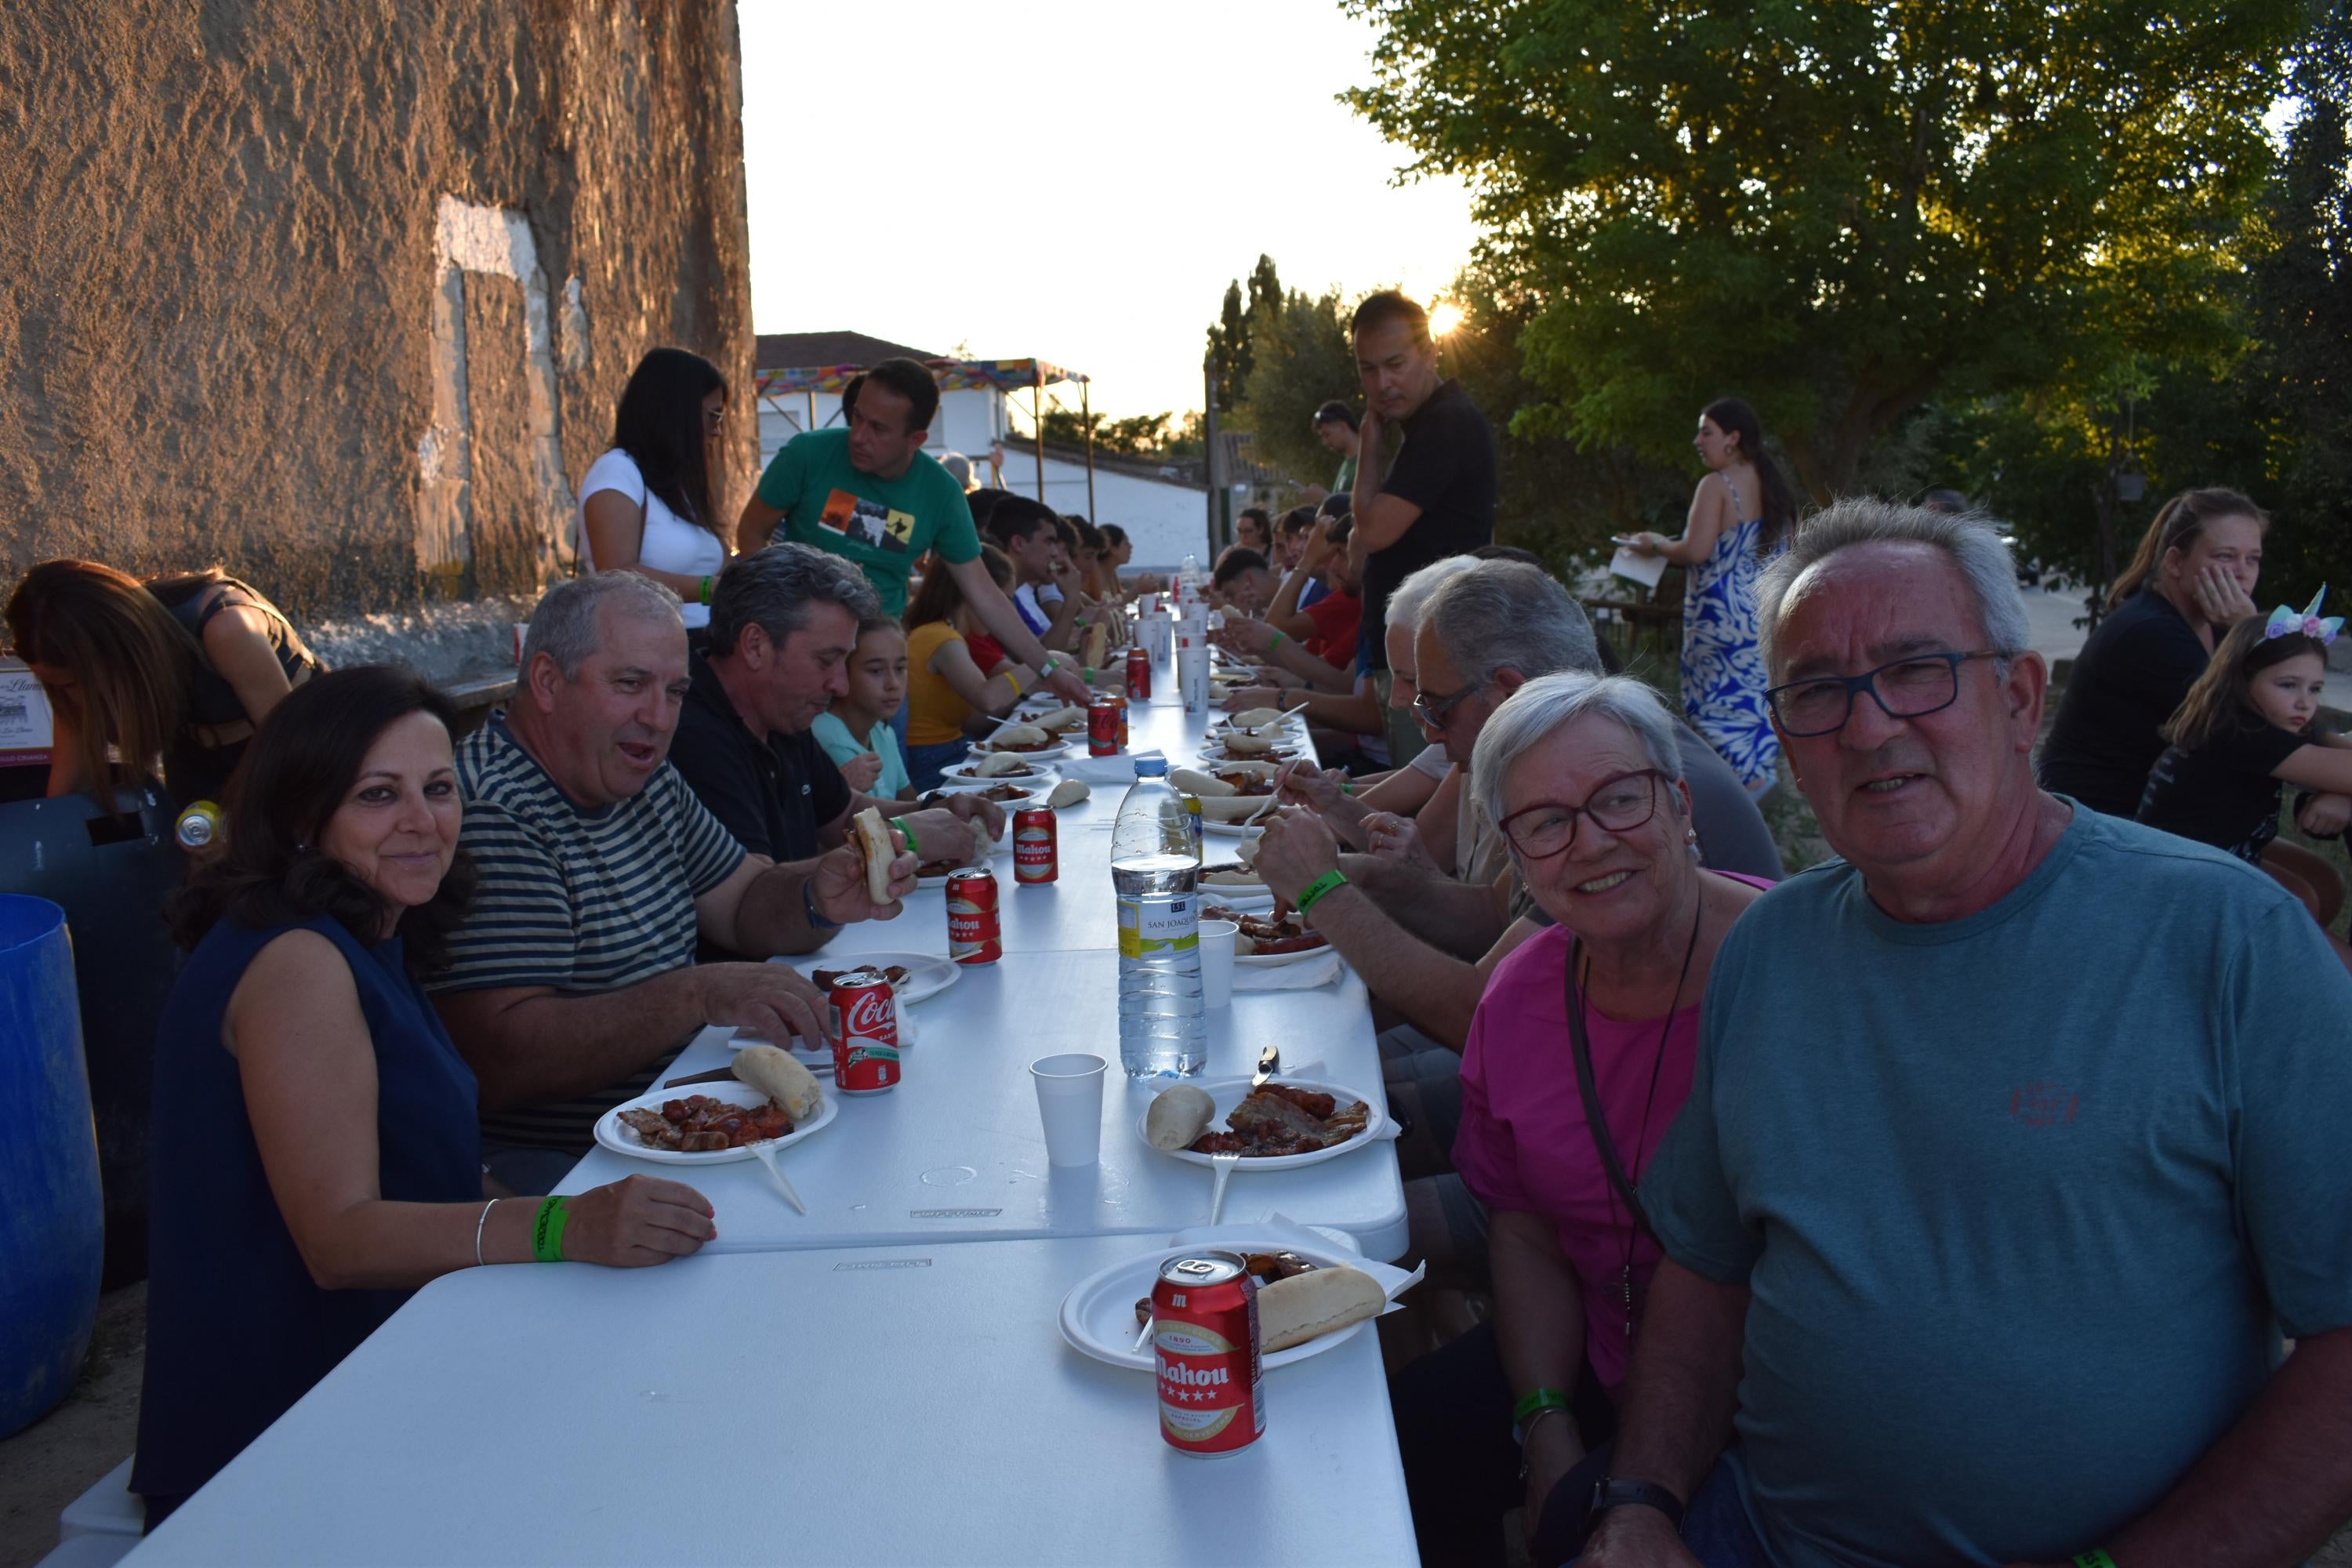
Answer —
1444 318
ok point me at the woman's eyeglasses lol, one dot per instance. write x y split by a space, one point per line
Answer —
1619 804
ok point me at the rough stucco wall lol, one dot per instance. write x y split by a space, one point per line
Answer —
218 272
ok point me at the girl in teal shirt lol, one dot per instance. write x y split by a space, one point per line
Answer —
856 734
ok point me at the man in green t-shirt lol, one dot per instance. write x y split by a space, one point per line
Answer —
868 492
1335 422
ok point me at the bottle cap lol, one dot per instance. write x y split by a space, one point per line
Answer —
1150 767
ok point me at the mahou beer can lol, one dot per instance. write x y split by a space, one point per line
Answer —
974 933
862 1017
1204 1348
1037 853
1139 675
1104 717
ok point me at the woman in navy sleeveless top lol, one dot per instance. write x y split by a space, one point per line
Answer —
316 1153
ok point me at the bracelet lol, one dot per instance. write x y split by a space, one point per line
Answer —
1347 786
1089 672
1307 898
906 831
1528 1431
1013 677
706 590
816 917
1051 664
2094 1558
1535 1399
547 1230
1275 639
478 1223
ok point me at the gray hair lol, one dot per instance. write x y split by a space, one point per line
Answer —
774 588
1410 597
1548 702
959 468
1507 615
1968 539
564 624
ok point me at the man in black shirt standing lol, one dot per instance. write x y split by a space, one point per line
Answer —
784 621
1436 499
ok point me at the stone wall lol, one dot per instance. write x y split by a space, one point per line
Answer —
339 294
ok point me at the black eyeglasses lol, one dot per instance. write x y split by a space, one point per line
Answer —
1619 804
1909 688
1432 711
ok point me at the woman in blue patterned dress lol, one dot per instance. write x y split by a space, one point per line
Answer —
1740 516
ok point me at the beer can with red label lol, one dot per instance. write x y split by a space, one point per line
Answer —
1036 852
862 1019
1204 1347
1122 724
1139 675
974 933
1106 716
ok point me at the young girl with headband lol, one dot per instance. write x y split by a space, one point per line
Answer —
2243 732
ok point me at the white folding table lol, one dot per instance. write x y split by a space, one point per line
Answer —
899 1406
957 1151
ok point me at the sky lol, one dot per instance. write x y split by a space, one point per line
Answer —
1072 181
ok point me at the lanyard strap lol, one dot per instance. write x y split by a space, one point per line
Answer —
1580 1045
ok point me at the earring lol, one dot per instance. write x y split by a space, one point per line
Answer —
1690 835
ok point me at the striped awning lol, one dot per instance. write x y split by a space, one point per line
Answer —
952 375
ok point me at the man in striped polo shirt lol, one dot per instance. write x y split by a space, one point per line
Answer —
573 984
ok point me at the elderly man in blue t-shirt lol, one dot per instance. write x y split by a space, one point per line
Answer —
2017 1140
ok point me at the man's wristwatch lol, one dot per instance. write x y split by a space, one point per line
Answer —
816 918
1609 1493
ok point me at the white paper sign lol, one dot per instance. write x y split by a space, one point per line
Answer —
1646 570
24 724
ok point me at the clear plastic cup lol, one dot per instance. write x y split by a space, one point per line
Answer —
1070 1102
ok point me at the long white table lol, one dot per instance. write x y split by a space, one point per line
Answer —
794 1394
957 1151
901 1405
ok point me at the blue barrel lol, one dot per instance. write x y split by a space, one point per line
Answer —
52 1217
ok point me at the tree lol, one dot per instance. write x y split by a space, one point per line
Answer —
1838 208
1230 339
1137 436
1300 359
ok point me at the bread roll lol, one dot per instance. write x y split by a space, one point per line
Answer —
1070 792
1178 1116
775 1074
877 847
998 763
1242 744
1206 785
1098 639
1062 718
1019 735
1307 1306
1257 717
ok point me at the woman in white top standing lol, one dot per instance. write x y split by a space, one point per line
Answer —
649 504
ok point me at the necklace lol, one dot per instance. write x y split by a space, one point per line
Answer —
1636 1220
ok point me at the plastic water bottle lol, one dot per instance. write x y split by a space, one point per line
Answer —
1188 587
1155 875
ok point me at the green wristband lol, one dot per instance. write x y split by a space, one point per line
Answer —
547 1230
1275 639
2094 1558
1347 786
1535 1399
1306 896
908 829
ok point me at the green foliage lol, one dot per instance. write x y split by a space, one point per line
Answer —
1839 208
1231 338
1300 359
1137 436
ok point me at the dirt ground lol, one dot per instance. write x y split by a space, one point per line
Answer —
54 1460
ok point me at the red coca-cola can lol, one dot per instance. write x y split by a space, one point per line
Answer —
1122 725
1139 675
1204 1347
975 934
1106 716
1037 853
862 1023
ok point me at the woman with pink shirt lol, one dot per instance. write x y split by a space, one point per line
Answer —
1583 776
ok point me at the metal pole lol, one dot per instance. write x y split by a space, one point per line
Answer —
812 407
1211 466
1086 418
1037 415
